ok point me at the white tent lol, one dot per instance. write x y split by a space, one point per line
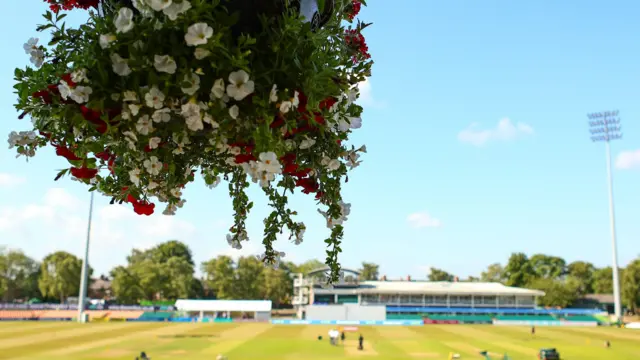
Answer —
261 308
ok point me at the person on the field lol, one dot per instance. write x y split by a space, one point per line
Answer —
360 342
607 344
533 330
342 336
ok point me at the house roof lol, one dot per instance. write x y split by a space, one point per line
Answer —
443 288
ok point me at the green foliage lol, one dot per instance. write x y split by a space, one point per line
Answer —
60 275
18 276
494 273
630 289
164 271
557 292
519 271
369 271
439 275
139 104
603 280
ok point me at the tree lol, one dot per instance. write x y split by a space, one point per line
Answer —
249 276
164 271
630 287
219 276
583 272
172 249
439 275
126 286
18 276
472 279
557 292
309 266
603 281
60 275
278 285
369 271
494 273
548 267
518 272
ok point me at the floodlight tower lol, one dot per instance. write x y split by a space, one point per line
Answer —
84 280
605 126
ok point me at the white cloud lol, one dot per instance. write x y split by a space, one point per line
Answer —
628 160
366 95
59 222
420 220
504 131
9 180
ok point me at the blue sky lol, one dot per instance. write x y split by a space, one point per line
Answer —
538 184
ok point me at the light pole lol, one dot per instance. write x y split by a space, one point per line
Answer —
85 268
605 126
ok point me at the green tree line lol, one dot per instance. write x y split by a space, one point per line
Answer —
167 272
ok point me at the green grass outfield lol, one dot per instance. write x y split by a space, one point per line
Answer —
194 341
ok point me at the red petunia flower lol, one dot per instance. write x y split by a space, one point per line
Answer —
84 173
104 155
143 207
354 9
244 158
66 153
44 95
308 185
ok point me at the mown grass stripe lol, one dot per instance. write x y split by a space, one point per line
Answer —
148 334
24 328
55 340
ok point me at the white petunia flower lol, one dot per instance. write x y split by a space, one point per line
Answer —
162 115
198 34
106 40
355 122
37 58
154 98
194 123
299 236
65 90
31 45
130 135
134 109
154 142
296 100
144 125
165 63
80 94
240 86
129 96
201 53
190 84
218 88
152 185
134 177
265 179
273 95
234 111
269 163
285 106
120 65
306 143
333 164
190 110
176 192
152 165
159 5
176 9
79 75
124 20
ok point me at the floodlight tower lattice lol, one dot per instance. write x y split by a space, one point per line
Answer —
605 127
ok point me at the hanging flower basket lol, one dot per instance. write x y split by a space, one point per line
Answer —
149 93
